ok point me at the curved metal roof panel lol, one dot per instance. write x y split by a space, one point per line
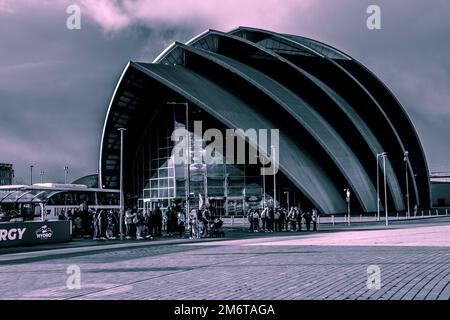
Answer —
307 117
294 162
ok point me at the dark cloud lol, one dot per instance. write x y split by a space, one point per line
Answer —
55 84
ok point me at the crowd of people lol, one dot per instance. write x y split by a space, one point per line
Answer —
172 221
280 219
143 223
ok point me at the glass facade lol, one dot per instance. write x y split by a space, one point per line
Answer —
6 174
230 188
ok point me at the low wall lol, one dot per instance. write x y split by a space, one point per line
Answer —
34 232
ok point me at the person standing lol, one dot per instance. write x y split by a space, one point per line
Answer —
129 217
299 216
181 223
255 221
250 220
282 218
192 223
200 224
308 220
139 222
270 220
276 220
169 221
314 219
158 220
291 214
206 218
264 215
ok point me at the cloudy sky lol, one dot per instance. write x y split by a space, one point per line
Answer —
55 83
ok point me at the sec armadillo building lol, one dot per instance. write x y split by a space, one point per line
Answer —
334 116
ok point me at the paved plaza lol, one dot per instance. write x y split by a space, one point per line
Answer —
413 259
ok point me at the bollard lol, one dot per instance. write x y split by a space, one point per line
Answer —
232 221
360 217
446 212
332 220
437 212
397 215
429 212
422 213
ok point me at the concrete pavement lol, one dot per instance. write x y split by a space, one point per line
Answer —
413 260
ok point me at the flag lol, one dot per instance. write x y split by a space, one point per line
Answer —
200 201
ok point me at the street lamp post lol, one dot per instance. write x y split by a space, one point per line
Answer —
384 155
378 188
287 198
42 176
264 191
225 191
66 172
406 159
272 147
122 202
347 199
31 175
264 187
188 151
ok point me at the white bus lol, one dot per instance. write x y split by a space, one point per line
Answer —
45 201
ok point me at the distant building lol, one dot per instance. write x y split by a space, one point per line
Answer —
335 119
440 189
91 181
6 174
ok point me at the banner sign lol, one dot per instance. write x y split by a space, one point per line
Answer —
34 232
